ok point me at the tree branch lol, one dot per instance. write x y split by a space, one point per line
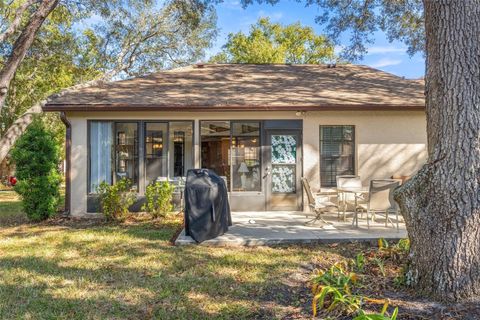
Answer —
12 28
21 46
16 130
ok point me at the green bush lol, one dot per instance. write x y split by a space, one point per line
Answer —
116 199
36 156
159 199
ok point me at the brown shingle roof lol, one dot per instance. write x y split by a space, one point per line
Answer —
251 87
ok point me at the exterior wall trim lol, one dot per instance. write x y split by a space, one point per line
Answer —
206 108
68 160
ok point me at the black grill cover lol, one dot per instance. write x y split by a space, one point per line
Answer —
207 212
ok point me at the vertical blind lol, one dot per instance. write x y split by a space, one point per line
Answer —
100 153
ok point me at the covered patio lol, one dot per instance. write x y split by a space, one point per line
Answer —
287 227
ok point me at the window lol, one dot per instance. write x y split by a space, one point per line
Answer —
126 152
337 153
180 148
232 150
155 151
100 146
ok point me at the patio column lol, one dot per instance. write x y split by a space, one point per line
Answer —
196 144
311 153
79 171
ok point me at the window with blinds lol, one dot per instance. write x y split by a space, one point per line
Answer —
337 153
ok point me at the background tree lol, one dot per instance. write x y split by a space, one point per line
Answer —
441 203
82 42
270 42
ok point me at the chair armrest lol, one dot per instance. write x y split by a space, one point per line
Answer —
360 197
325 193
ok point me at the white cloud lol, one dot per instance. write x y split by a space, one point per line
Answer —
386 49
274 16
385 62
231 5
337 49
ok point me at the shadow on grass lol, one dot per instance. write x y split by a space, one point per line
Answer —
185 284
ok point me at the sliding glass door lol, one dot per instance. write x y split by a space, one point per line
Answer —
232 150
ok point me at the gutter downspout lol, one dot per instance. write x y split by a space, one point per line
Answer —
68 147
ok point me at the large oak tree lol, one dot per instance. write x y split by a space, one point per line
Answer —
441 203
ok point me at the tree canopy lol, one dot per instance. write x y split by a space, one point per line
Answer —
269 42
81 41
401 20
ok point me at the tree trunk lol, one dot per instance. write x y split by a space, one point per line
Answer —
21 46
17 129
441 204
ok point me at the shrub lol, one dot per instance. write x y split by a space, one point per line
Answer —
116 199
36 156
159 199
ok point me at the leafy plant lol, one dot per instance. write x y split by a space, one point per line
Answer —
116 199
36 156
336 290
377 316
334 285
159 199
380 264
403 245
360 262
382 244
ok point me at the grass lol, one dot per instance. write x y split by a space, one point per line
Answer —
71 269
95 270
10 208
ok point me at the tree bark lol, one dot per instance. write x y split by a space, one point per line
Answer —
21 46
441 203
16 130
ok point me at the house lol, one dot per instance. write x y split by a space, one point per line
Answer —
262 127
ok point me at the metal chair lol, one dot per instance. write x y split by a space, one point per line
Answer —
319 204
380 200
345 199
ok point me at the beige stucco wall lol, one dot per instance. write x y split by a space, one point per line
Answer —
387 142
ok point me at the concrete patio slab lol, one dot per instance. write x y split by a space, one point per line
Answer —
282 227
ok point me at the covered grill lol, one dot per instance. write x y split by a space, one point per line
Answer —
207 212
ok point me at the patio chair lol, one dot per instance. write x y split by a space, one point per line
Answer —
347 199
319 203
380 200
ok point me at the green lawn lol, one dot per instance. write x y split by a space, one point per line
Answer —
71 269
10 209
80 270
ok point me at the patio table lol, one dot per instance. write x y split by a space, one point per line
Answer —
355 191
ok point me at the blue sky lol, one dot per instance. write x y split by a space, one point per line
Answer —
390 57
